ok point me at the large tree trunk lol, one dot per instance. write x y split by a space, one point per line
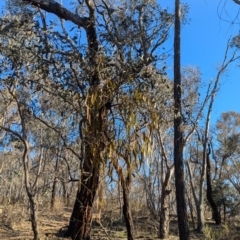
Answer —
81 219
216 212
178 136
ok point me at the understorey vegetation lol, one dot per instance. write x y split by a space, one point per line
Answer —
92 120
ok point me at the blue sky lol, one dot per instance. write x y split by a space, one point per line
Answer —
203 44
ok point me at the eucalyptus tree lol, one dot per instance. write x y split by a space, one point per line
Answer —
85 65
201 146
157 170
205 139
228 136
11 174
226 198
191 113
132 147
204 147
16 117
17 121
21 96
226 154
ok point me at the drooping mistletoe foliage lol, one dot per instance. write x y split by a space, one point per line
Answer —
87 78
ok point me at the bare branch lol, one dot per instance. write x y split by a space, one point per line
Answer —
57 9
60 135
237 1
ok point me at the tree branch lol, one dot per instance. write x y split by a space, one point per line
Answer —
237 1
57 9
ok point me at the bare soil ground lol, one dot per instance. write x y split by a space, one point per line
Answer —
15 224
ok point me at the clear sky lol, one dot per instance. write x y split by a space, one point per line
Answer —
203 44
204 41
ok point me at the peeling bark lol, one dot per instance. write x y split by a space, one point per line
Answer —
164 213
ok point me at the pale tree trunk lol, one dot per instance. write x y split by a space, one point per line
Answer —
191 209
31 190
198 201
31 185
120 201
65 194
206 167
54 186
53 194
200 217
30 193
206 145
164 212
178 135
165 191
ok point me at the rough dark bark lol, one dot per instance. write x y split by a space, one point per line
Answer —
126 209
215 210
33 216
81 219
178 135
53 194
224 212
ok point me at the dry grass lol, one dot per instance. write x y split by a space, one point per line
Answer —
15 224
